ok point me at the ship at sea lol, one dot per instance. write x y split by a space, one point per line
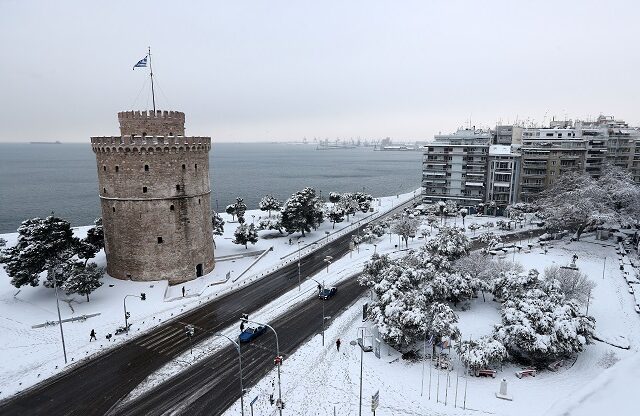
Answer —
387 145
56 142
326 145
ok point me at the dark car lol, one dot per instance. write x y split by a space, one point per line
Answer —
252 332
327 292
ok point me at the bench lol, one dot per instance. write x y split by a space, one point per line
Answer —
554 366
526 372
485 372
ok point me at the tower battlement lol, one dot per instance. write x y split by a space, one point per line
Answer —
151 114
151 123
150 144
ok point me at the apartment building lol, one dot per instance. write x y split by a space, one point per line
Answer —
454 167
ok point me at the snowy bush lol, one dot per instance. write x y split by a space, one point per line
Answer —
302 211
539 325
405 227
481 353
271 223
245 234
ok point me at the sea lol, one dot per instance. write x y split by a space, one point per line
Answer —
39 179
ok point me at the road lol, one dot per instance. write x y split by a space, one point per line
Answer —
94 387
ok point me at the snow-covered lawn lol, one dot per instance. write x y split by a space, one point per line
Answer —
318 380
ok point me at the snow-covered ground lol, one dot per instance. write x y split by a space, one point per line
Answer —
321 381
30 355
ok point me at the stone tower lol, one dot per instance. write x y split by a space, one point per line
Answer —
155 197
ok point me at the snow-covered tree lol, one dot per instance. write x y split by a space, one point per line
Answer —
3 242
363 200
450 243
576 201
231 210
399 311
539 325
302 211
349 204
271 223
512 284
573 284
480 267
431 219
474 227
42 245
217 223
240 208
405 227
463 213
442 322
334 197
269 203
245 234
481 353
490 241
89 246
336 214
83 279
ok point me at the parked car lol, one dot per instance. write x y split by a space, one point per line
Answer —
249 334
327 292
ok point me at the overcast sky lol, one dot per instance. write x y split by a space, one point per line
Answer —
284 70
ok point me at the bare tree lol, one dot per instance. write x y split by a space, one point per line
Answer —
573 284
405 227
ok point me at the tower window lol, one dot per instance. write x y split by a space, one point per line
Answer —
117 168
104 190
104 168
177 187
198 201
196 166
144 189
184 167
159 240
146 168
114 209
172 208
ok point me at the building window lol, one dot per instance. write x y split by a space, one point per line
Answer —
196 166
114 209
104 168
104 190
184 167
172 208
144 189
198 201
146 168
159 240
177 187
117 168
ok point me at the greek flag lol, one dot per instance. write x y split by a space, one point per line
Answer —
142 63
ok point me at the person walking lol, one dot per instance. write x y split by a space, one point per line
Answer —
338 344
183 291
92 335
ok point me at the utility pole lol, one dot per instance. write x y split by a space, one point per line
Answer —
55 285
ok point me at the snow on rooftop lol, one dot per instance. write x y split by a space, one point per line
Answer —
499 149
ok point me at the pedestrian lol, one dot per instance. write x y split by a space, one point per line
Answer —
183 291
92 335
290 242
338 344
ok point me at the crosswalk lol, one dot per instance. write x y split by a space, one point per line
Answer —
167 340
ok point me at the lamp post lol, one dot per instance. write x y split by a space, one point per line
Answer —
237 345
278 360
142 296
327 260
253 218
299 263
321 291
55 286
360 342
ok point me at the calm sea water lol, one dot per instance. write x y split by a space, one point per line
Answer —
36 180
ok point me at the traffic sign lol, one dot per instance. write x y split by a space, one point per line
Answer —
375 400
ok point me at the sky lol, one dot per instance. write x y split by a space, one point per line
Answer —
283 70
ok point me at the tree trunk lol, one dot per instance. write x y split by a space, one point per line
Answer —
483 299
579 232
87 297
334 225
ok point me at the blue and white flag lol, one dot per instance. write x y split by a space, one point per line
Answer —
142 63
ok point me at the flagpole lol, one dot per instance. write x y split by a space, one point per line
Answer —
153 94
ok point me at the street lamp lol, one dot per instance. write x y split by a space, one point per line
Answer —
327 260
299 263
277 361
360 342
190 331
237 345
55 286
375 246
142 296
321 291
